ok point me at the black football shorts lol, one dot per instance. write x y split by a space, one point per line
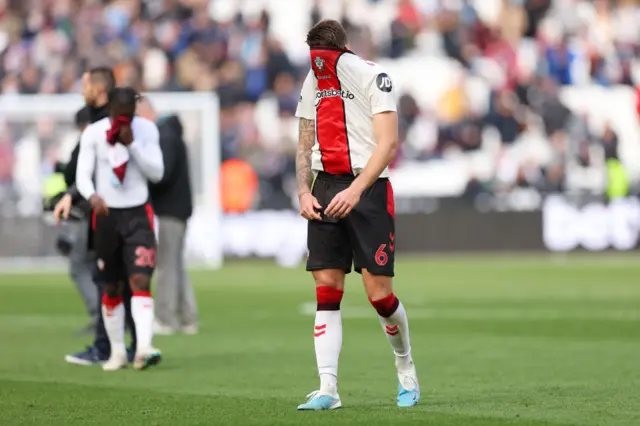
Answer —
364 239
125 243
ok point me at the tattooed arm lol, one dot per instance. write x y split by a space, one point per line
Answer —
309 205
306 112
306 140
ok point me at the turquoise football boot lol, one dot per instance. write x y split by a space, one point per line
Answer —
408 389
319 401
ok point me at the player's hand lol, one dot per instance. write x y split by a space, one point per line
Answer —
125 136
343 203
309 207
98 205
63 208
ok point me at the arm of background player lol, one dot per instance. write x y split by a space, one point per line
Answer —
306 140
145 150
86 164
385 129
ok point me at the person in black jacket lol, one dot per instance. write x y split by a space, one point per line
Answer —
175 304
96 85
81 261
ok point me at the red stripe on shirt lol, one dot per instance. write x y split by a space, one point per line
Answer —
331 120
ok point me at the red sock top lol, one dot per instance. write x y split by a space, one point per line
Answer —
326 294
328 298
386 306
111 302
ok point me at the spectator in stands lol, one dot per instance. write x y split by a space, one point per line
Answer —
535 11
553 178
561 59
555 115
609 141
404 29
468 134
503 116
245 56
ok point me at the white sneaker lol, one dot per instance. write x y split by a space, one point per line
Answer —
146 358
190 329
116 361
160 329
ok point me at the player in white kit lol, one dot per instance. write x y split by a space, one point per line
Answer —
348 137
123 152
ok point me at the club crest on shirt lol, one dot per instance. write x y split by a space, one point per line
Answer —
100 264
319 63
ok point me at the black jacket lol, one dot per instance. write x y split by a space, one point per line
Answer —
80 203
171 196
97 114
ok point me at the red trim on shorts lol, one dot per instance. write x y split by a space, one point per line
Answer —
93 220
391 203
111 302
150 216
331 115
141 294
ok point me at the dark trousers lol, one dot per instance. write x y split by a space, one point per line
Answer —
101 340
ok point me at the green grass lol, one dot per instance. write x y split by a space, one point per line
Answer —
497 341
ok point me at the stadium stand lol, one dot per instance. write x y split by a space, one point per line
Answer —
497 95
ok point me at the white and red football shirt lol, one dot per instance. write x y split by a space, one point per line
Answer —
342 93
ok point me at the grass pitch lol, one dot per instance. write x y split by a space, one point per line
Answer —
498 341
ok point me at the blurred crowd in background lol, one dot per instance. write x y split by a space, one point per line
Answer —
521 52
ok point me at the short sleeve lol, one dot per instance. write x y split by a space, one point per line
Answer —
382 94
306 104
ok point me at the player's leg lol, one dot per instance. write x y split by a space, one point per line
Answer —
327 338
187 307
327 328
142 313
140 259
188 310
100 350
330 258
395 324
373 236
81 264
109 264
113 315
129 324
167 278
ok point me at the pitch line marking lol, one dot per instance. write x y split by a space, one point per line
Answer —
492 313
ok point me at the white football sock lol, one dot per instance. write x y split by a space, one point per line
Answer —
113 316
396 328
328 342
142 313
